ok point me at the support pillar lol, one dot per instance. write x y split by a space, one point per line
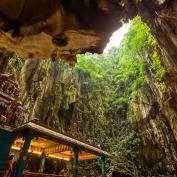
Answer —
42 162
75 167
103 164
6 141
23 156
72 164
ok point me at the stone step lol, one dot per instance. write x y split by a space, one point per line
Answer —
2 167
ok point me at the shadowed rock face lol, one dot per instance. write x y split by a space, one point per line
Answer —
46 28
68 14
63 28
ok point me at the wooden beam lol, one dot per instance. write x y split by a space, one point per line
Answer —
23 156
43 131
57 149
31 148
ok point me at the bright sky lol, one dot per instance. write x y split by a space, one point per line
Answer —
117 37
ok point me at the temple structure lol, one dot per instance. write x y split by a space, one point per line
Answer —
35 138
11 111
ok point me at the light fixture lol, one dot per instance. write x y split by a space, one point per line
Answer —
15 148
37 152
58 157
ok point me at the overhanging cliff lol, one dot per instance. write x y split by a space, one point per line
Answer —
61 29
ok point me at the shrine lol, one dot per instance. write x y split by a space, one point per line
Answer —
23 138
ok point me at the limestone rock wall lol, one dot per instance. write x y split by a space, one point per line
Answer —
156 120
49 90
155 110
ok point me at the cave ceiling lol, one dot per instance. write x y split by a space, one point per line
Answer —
63 28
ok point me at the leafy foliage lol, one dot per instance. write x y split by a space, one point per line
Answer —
125 150
92 101
117 77
15 65
159 69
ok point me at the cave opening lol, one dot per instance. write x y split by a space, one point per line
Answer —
117 37
121 100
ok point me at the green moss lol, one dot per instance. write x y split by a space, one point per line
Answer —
94 100
15 65
159 69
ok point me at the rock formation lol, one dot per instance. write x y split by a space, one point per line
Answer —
155 108
69 27
61 29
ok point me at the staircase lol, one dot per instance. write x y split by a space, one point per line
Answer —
2 167
6 140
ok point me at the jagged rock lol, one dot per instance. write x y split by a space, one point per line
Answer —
61 29
40 46
44 29
77 26
162 20
156 119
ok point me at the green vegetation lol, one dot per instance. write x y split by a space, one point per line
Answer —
123 71
15 66
159 70
126 66
94 101
116 79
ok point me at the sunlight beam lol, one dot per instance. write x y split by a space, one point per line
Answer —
117 37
